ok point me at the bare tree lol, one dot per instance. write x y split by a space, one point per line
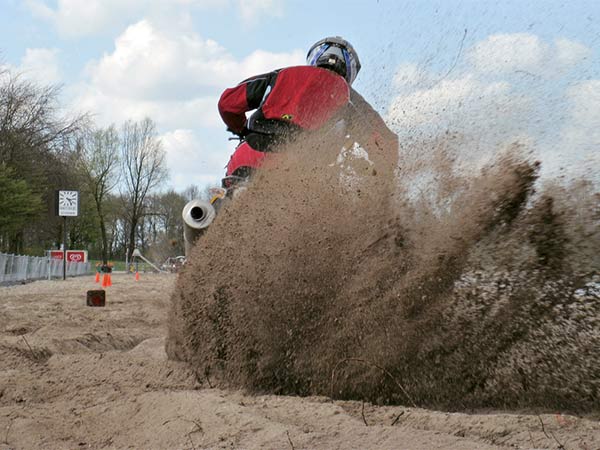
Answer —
162 226
29 119
99 160
191 192
144 168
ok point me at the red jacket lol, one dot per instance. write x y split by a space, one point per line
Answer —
304 96
301 97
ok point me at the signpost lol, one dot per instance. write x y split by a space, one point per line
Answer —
67 205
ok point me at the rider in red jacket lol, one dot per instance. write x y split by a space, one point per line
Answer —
293 99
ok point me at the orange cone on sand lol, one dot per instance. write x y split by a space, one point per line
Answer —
137 276
105 270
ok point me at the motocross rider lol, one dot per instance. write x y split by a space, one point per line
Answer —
293 99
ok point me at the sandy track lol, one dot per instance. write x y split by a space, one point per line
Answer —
72 376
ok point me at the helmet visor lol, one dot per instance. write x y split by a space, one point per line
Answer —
323 51
335 59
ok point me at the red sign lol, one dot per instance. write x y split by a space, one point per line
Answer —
72 255
76 255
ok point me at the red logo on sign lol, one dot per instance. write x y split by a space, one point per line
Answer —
75 256
56 254
72 255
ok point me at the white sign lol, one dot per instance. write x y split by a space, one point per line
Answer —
68 203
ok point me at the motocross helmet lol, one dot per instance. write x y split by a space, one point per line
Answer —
336 54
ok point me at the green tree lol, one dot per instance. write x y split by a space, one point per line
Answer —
18 206
35 142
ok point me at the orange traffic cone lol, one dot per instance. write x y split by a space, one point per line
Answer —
109 280
104 280
137 276
97 277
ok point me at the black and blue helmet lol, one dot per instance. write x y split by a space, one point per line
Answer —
336 54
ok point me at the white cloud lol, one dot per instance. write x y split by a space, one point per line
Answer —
78 18
168 114
581 132
149 64
457 104
173 77
423 106
75 18
40 9
576 148
486 116
501 53
42 65
252 10
261 61
189 161
39 65
409 76
488 105
569 53
585 99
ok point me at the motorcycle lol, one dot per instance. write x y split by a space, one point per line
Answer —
199 214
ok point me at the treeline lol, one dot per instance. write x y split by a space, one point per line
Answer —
118 170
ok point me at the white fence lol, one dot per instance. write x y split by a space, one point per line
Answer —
20 268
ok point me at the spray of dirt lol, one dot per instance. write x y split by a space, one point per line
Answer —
331 277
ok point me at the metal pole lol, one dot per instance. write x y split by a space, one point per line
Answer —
65 248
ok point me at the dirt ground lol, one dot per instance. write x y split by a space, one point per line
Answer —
73 376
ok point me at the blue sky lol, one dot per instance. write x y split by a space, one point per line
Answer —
495 69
